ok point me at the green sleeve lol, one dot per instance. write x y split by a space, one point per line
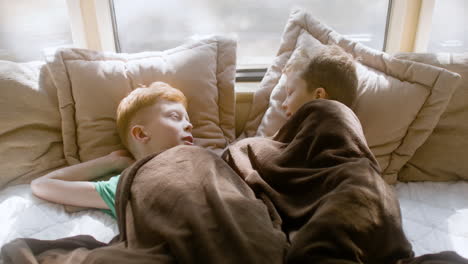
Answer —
107 189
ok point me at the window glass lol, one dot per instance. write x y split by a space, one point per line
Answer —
158 25
449 32
28 26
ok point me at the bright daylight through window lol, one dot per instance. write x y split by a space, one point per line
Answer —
449 27
158 25
28 26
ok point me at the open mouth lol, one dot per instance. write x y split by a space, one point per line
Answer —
188 140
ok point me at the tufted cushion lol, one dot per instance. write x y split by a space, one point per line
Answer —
30 135
91 84
398 102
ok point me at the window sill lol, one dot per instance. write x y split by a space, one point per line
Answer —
245 91
246 87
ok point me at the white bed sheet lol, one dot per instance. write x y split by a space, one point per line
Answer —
24 215
435 217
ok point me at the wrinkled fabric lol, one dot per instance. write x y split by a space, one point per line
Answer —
312 194
322 181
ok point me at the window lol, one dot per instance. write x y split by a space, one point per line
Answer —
28 26
449 26
158 25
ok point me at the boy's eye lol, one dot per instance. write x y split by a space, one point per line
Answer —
175 115
288 91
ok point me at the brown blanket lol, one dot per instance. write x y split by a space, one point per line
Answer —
314 194
321 180
185 205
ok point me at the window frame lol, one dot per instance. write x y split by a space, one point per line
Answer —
409 26
93 25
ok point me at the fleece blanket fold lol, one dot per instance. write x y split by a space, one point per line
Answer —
322 181
312 194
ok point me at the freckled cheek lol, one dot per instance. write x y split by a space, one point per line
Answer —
173 137
170 129
293 102
176 129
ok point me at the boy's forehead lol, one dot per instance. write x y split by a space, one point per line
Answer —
162 106
292 78
293 75
165 104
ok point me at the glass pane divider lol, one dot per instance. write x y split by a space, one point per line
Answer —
92 24
77 24
423 32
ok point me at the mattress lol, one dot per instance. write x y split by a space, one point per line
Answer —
435 217
24 215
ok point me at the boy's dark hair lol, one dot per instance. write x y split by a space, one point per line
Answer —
334 70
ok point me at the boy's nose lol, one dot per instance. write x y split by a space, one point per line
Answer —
188 127
284 106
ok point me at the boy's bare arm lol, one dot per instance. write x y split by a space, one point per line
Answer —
92 169
70 186
78 194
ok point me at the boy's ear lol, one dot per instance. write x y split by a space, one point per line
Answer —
320 93
138 133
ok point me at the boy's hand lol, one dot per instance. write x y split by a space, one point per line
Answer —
121 159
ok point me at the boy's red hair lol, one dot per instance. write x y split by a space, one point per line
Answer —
143 97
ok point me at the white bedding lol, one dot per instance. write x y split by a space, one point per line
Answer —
435 217
24 215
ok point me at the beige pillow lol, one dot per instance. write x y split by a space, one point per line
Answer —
443 157
399 102
91 84
30 136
